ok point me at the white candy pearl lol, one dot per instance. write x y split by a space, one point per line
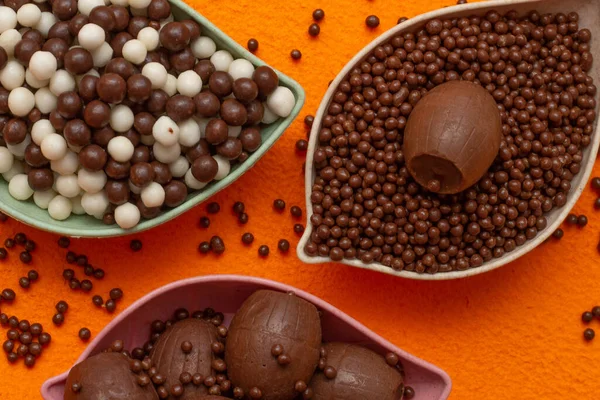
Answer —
281 101
189 133
134 189
203 47
102 55
165 131
19 149
12 76
221 59
135 51
94 203
192 182
150 38
202 122
43 65
16 169
91 36
121 118
61 82
241 68
166 154
179 167
42 198
66 185
86 6
157 74
189 83
122 3
77 207
170 87
8 19
224 167
21 101
139 3
40 130
28 15
60 208
45 100
67 165
18 187
153 195
120 148
91 182
46 22
35 82
6 160
234 131
268 116
127 215
54 146
8 40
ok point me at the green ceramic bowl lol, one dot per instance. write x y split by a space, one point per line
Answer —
87 226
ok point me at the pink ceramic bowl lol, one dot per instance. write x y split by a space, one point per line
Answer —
226 293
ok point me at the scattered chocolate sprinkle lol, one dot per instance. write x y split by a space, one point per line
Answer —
213 208
263 250
314 30
318 14
587 316
204 222
582 221
85 334
283 245
296 211
135 245
372 21
217 245
247 238
589 334
558 234
298 229
64 242
296 54
252 45
204 247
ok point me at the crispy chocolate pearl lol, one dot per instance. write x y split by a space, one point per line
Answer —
245 90
301 145
251 139
139 88
136 24
58 47
221 83
117 192
175 36
571 219
175 193
263 250
20 238
111 88
58 319
40 179
9 243
283 245
372 21
204 168
213 207
183 60
24 49
64 9
58 122
247 238
180 108
296 211
110 305
78 61
117 170
204 222
157 102
193 28
266 79
582 221
231 148
217 245
238 207
204 247
35 35
101 137
243 218
296 54
314 30
233 112
3 58
279 205
140 154
87 88
96 114
116 294
24 282
14 131
85 334
77 133
409 392
558 234
97 301
205 69
76 23
255 111
207 104
34 156
24 256
162 173
298 229
587 316
141 174
216 131
121 67
143 123
4 102
159 9
118 41
252 45
104 17
596 311
60 30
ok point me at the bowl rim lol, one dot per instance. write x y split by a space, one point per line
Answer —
409 25
172 213
260 283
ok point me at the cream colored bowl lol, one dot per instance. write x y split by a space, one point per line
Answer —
589 17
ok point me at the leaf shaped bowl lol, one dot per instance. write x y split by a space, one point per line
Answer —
225 293
88 226
589 17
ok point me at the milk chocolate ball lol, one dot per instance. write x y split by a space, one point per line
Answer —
265 320
171 360
452 137
106 376
360 374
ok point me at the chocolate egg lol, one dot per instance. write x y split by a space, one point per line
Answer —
359 374
273 342
106 376
172 358
452 137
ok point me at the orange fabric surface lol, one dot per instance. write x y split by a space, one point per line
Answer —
511 333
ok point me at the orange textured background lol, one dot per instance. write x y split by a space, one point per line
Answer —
512 333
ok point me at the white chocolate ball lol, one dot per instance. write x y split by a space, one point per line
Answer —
12 75
19 149
224 167
221 59
8 19
139 3
35 82
45 100
281 101
47 21
135 51
43 65
127 215
18 187
42 198
202 122
101 56
189 132
120 148
91 182
189 83
234 131
67 165
150 37
165 131
66 185
192 182
28 15
170 86
6 160
241 68
16 169
77 207
40 129
122 3
61 82
157 74
121 118
268 116
9 39
86 6
54 146
166 154
95 203
203 47
134 189
60 208
153 195
21 101
91 36
179 167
